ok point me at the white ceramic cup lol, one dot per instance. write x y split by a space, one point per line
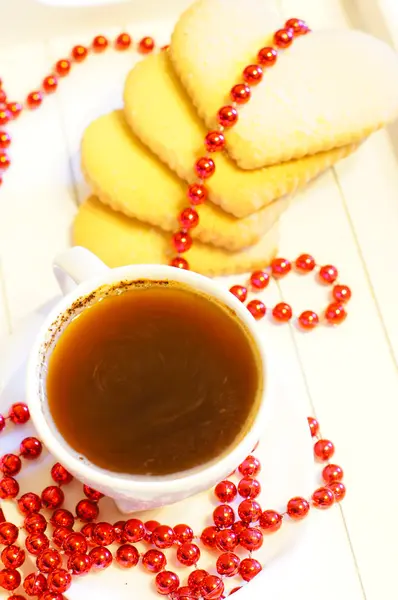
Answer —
80 273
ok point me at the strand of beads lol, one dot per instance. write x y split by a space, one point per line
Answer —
335 311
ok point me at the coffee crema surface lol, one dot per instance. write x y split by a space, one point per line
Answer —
155 380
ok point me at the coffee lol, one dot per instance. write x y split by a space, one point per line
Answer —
154 380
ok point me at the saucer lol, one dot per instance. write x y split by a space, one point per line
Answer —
285 452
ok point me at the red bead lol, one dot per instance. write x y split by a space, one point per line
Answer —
101 557
212 587
323 449
195 579
249 488
282 312
29 503
3 97
52 497
13 557
31 448
251 539
338 490
209 536
10 465
146 45
100 43
257 309
227 116
283 38
259 279
35 584
253 74
308 319
227 564
249 568
313 425
60 475
241 93
238 527
10 579
188 554
166 582
183 533
87 511
223 516
305 263
188 218
226 540
134 530
328 274
5 116
197 193
154 561
5 139
4 161
2 423
341 293
79 53
50 84
103 534
15 109
267 56
59 581
163 536
92 494
297 508
34 99
239 291
118 529
236 589
205 167
184 593
80 563
49 560
123 41
280 267
323 498
36 543
59 536
332 473
150 527
226 491
48 595
182 241
127 556
270 521
298 26
87 531
249 511
62 518
214 141
9 488
35 523
75 542
180 263
250 467
62 67
335 313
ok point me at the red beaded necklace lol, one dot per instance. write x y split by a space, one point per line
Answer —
68 552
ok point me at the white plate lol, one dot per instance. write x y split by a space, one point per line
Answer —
285 451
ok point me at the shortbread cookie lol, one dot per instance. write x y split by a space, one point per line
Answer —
119 240
161 114
328 89
129 178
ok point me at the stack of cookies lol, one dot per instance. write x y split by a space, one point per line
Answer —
324 95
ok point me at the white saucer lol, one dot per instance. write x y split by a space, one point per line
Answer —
285 452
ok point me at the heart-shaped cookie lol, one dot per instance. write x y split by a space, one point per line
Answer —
328 89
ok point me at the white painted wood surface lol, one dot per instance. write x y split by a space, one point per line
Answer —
346 376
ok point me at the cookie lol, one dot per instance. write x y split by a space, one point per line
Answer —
329 89
161 114
119 240
128 177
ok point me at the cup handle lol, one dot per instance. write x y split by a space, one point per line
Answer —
75 266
